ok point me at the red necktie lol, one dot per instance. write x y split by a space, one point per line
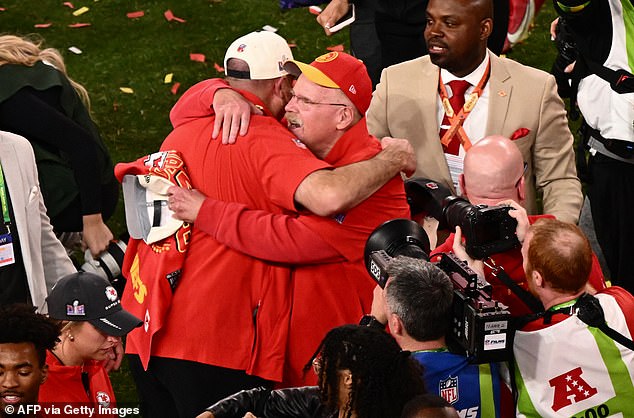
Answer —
458 89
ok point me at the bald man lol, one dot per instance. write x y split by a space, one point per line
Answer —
494 174
495 96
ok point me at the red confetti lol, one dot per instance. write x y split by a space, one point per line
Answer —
197 57
335 48
134 15
170 16
175 87
292 45
79 25
69 4
2 9
43 25
218 68
315 10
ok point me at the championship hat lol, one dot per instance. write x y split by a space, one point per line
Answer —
341 71
147 214
265 53
85 296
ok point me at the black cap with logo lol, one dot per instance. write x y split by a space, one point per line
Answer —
85 296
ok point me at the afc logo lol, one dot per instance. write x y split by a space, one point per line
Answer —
570 387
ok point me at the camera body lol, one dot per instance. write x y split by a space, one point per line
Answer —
480 326
487 229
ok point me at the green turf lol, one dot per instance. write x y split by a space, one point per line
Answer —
138 53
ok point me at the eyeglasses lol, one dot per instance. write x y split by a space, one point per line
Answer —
306 101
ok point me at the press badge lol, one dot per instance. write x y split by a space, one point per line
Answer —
7 256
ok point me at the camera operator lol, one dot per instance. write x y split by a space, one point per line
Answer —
597 379
493 173
593 33
416 304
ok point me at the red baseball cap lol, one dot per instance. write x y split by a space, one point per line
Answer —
338 70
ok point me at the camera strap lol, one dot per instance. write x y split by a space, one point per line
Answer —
525 296
589 310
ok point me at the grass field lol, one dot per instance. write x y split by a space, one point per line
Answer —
138 53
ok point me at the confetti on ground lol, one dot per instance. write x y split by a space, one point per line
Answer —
2 9
126 90
135 15
79 25
43 25
316 10
168 78
292 45
170 16
69 4
197 57
80 11
74 50
175 87
269 28
218 68
336 48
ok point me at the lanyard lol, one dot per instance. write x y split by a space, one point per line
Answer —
458 119
4 198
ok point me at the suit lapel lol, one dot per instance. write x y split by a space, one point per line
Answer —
500 90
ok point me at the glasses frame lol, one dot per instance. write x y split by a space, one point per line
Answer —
306 101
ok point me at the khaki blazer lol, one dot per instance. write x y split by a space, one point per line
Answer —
45 259
404 106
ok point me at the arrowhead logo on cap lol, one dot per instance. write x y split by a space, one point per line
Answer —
352 89
327 57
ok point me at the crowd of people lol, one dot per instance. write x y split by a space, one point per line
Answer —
246 264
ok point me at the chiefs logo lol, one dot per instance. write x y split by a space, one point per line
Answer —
331 56
103 399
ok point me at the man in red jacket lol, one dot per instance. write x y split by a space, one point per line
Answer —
330 284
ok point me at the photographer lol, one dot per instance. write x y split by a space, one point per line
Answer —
416 304
493 173
593 35
597 379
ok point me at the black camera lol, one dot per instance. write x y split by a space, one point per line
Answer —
480 325
566 46
108 264
487 229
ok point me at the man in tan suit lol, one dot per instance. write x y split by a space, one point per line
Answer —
504 98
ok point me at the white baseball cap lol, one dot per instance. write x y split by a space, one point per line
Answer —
147 215
265 53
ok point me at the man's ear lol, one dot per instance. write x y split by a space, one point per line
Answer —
44 374
345 118
521 190
347 379
396 324
486 27
282 88
538 278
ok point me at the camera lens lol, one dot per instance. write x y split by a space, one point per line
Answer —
456 211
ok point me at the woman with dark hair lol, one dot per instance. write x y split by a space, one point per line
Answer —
362 373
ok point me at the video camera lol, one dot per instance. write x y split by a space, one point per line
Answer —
480 325
487 229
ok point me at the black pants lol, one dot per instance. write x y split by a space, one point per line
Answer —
611 193
172 388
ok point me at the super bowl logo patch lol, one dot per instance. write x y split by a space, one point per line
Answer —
111 293
241 47
103 399
76 309
449 389
339 218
